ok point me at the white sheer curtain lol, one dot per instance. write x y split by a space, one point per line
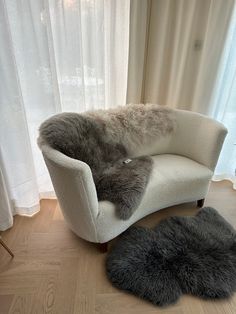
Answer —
223 105
57 55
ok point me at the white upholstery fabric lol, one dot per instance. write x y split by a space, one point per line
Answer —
174 180
196 136
75 190
183 166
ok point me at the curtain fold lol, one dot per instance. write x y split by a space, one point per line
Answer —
14 131
57 55
138 43
6 208
223 106
220 17
184 43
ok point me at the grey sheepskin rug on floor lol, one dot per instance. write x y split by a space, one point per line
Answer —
192 255
105 139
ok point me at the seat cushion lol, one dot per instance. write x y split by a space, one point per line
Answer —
174 179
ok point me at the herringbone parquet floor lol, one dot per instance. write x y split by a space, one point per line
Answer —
56 272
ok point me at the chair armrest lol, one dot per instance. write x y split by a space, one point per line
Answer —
198 137
75 189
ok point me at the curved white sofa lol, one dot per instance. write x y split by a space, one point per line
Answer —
184 162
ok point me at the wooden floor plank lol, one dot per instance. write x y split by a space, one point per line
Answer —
56 272
5 303
21 304
44 298
67 286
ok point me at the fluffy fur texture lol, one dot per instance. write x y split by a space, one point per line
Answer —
104 139
124 184
193 255
135 124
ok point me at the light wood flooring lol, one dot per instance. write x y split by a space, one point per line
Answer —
56 272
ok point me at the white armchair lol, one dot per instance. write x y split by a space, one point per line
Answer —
184 162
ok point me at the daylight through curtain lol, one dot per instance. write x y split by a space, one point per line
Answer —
57 55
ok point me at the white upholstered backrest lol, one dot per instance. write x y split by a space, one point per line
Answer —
195 136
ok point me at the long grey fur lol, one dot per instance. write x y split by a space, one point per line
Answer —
91 138
181 255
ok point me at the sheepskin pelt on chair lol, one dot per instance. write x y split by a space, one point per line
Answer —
105 139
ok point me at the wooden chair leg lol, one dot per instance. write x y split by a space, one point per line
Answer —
200 203
6 247
103 247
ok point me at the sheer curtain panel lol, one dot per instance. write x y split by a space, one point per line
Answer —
223 106
57 55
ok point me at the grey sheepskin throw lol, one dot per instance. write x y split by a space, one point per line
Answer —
105 139
192 255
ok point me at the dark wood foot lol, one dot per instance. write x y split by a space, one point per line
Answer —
103 247
6 247
200 203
